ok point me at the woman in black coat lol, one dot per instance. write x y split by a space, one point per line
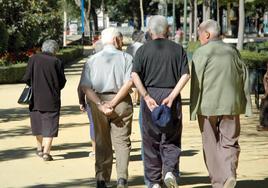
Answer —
45 73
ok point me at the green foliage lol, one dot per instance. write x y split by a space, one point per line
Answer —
13 73
254 59
69 54
29 23
192 46
3 37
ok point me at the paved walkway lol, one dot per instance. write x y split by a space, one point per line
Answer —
20 167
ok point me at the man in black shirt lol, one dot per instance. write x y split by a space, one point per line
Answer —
160 71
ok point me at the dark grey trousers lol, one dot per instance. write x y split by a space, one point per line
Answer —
220 145
162 148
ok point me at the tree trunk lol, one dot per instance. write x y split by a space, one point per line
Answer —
195 20
191 21
206 9
95 19
142 15
218 11
64 25
241 25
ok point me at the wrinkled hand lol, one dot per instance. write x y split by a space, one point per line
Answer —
168 102
106 109
150 102
82 108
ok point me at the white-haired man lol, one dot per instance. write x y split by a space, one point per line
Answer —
106 82
160 71
219 94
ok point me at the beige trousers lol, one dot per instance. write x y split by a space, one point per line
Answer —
113 131
220 146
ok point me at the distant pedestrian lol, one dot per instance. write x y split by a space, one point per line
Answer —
85 107
45 73
138 39
106 82
160 71
219 94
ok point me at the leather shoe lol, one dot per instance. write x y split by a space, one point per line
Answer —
101 184
122 183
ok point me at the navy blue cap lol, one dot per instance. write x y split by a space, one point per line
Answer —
161 116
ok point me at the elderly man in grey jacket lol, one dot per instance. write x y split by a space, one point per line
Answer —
219 94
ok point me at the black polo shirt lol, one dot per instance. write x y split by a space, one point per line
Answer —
160 63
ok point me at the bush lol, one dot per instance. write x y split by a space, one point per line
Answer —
254 59
3 38
69 54
192 46
13 73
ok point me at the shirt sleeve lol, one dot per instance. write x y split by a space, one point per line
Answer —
184 65
61 75
85 76
137 62
129 66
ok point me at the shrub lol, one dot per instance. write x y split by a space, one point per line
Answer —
254 59
3 37
69 54
13 73
192 46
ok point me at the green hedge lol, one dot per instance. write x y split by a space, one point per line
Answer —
14 73
254 59
69 54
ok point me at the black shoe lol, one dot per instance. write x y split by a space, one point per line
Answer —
122 183
101 184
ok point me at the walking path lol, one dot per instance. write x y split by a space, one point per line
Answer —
21 168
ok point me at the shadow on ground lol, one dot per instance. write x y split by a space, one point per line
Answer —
136 181
24 152
245 184
19 114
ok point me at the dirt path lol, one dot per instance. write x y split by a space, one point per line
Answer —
72 167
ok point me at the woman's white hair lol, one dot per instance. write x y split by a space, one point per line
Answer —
108 34
50 46
158 25
210 26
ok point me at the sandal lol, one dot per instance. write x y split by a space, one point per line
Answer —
39 153
47 157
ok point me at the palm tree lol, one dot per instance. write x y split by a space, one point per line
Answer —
241 27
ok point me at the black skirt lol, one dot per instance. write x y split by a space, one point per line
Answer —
45 124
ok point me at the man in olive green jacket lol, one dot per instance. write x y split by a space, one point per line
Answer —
219 94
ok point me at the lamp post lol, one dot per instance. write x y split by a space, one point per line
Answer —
184 43
82 20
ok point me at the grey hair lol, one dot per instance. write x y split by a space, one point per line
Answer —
158 25
108 34
211 26
50 46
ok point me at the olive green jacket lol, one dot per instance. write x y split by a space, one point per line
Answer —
220 82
